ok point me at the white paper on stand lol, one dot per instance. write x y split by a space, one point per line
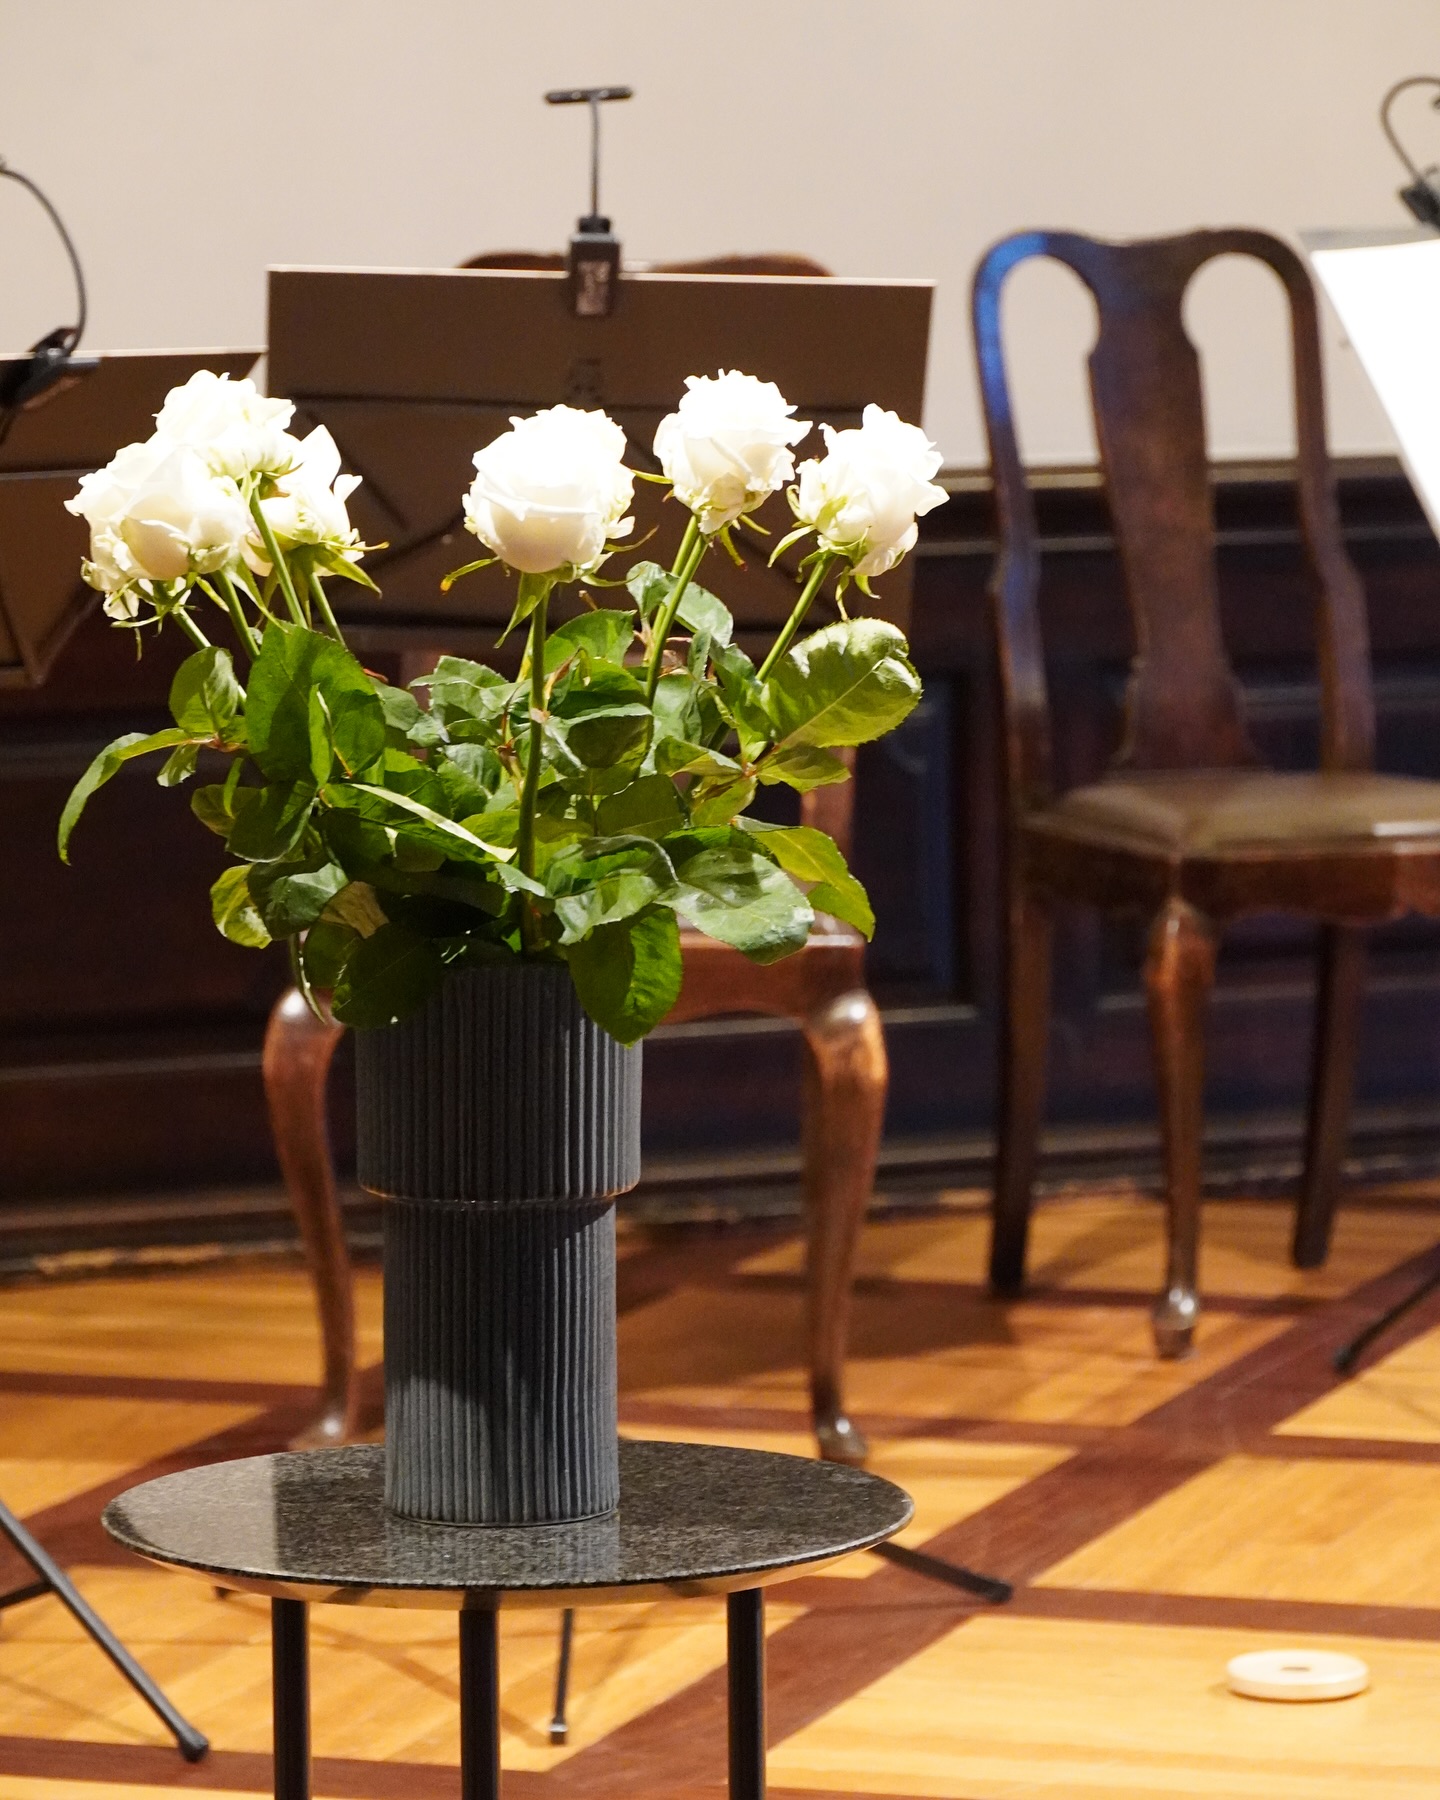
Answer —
1387 296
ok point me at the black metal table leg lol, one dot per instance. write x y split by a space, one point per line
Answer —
559 1722
745 1643
479 1706
290 1668
53 1580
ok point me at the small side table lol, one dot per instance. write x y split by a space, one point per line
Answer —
693 1519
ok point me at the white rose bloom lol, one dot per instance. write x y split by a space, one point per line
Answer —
549 493
728 446
103 500
863 497
309 504
237 429
178 520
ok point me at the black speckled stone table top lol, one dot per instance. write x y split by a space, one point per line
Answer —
693 1519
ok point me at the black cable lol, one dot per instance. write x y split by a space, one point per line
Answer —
72 333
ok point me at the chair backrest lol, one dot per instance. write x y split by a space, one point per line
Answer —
830 808
1183 706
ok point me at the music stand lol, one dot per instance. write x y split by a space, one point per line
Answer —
414 370
42 599
1385 289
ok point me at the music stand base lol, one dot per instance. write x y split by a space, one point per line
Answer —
53 1580
1349 1354
935 1568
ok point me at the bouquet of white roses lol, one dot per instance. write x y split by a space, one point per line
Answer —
577 812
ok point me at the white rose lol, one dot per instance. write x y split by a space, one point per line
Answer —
179 521
308 506
236 428
549 493
103 500
728 446
862 498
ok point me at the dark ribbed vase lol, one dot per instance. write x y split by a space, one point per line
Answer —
499 1123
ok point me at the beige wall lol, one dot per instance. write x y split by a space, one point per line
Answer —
190 143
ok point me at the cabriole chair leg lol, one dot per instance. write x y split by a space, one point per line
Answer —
846 1078
1340 992
298 1052
1179 970
1024 1036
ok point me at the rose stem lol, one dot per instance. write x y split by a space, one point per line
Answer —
802 606
525 831
277 561
317 589
237 615
692 547
196 636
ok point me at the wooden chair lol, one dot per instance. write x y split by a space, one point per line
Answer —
1188 829
822 987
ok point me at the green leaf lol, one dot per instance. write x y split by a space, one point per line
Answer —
609 736
405 716
530 591
269 820
844 684
673 756
801 766
292 895
744 700
235 912
813 856
650 586
326 949
702 611
468 775
736 894
205 697
389 974
211 806
648 808
179 765
461 690
292 664
628 974
604 634
106 765
718 802
357 907
606 879
453 837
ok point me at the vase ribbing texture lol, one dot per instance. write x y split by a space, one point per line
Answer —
499 1122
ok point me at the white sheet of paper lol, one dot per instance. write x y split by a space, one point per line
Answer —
1388 300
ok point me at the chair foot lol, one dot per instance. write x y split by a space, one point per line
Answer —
841 1440
1174 1319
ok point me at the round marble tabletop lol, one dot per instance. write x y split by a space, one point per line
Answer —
693 1519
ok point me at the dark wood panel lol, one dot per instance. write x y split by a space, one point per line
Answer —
130 1030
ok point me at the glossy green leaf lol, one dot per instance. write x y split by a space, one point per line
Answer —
606 879
405 716
234 911
673 756
269 821
649 807
462 690
456 837
388 975
844 684
609 736
736 894
293 663
291 895
106 765
717 802
604 634
813 856
802 767
205 696
327 947
628 974
179 765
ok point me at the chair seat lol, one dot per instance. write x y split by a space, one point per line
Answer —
1215 813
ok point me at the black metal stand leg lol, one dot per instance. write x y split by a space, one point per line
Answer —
1349 1354
745 1643
479 1706
53 1580
290 1678
559 1725
934 1568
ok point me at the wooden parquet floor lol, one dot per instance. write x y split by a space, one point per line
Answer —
1157 1519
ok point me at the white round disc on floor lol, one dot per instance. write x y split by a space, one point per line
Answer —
1297 1675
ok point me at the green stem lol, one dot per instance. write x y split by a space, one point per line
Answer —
692 547
525 831
277 561
318 590
793 623
196 636
237 615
